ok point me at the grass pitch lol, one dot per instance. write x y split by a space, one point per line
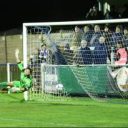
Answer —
76 112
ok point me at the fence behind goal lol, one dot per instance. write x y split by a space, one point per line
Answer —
9 72
79 56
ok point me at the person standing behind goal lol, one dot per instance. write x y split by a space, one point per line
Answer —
25 82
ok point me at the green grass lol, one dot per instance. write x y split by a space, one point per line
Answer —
76 112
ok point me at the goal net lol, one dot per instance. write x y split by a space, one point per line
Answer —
86 58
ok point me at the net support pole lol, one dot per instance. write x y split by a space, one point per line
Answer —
8 75
26 93
8 72
43 77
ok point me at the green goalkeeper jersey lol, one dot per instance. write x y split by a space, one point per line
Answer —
25 81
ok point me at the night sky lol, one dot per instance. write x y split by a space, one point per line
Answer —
13 13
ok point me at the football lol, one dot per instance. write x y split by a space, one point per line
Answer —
59 87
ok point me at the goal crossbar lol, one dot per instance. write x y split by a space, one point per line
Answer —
77 22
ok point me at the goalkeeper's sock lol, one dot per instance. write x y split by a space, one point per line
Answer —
14 89
3 85
26 97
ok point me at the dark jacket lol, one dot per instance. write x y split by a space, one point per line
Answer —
84 56
100 54
59 58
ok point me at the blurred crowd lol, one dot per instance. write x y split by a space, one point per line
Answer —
115 13
90 45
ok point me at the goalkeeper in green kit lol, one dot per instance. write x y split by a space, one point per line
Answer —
25 82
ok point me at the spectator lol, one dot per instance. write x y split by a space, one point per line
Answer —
43 54
125 37
107 15
87 35
74 46
125 32
106 29
108 40
114 13
95 37
100 52
117 35
83 55
67 47
68 54
125 13
94 14
78 34
121 54
58 57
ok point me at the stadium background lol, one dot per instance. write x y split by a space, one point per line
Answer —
18 13
79 112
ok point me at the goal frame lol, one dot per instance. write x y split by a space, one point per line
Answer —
63 23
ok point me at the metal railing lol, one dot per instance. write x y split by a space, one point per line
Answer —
9 72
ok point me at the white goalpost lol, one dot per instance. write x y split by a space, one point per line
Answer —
77 58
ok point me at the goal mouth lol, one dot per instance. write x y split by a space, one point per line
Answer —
76 58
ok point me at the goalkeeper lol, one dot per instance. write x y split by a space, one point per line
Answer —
25 82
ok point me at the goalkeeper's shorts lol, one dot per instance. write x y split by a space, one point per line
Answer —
19 85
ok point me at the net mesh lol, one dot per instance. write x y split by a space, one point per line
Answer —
79 59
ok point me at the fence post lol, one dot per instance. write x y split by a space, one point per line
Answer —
43 77
8 72
8 75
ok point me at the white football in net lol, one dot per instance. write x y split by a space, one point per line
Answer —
59 87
